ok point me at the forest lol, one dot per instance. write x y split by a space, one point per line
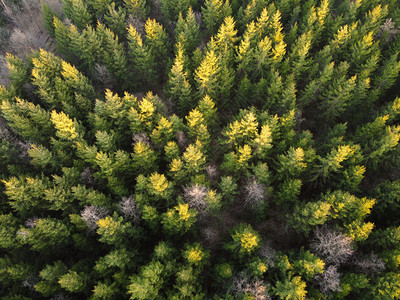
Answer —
199 149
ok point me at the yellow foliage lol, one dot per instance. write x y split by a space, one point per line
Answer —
247 127
195 255
262 21
323 11
376 13
140 147
176 165
304 44
104 223
152 28
206 72
344 34
227 31
396 105
158 182
262 267
359 231
244 154
146 109
193 157
312 17
64 125
343 153
368 39
276 25
183 211
135 35
70 72
279 51
195 118
249 241
299 156
322 211
244 45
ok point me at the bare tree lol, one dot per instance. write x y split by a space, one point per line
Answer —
244 284
9 135
137 23
212 172
195 195
334 248
257 289
329 280
56 6
129 208
87 177
91 214
4 73
60 296
182 140
198 17
254 193
31 222
266 251
140 137
369 264
103 77
30 281
211 236
389 30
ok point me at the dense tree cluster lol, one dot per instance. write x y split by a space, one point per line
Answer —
185 149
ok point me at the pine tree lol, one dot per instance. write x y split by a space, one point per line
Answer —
291 164
45 235
148 282
214 12
143 158
225 41
198 127
194 158
100 6
115 19
187 31
245 241
310 214
113 230
207 75
179 220
137 8
178 86
29 120
158 42
113 51
73 281
47 16
8 230
291 288
171 9
141 57
49 276
333 161
46 67
65 127
78 12
378 140
308 264
251 11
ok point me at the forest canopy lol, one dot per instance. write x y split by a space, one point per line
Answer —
189 149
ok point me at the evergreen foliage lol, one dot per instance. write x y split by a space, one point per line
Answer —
183 149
